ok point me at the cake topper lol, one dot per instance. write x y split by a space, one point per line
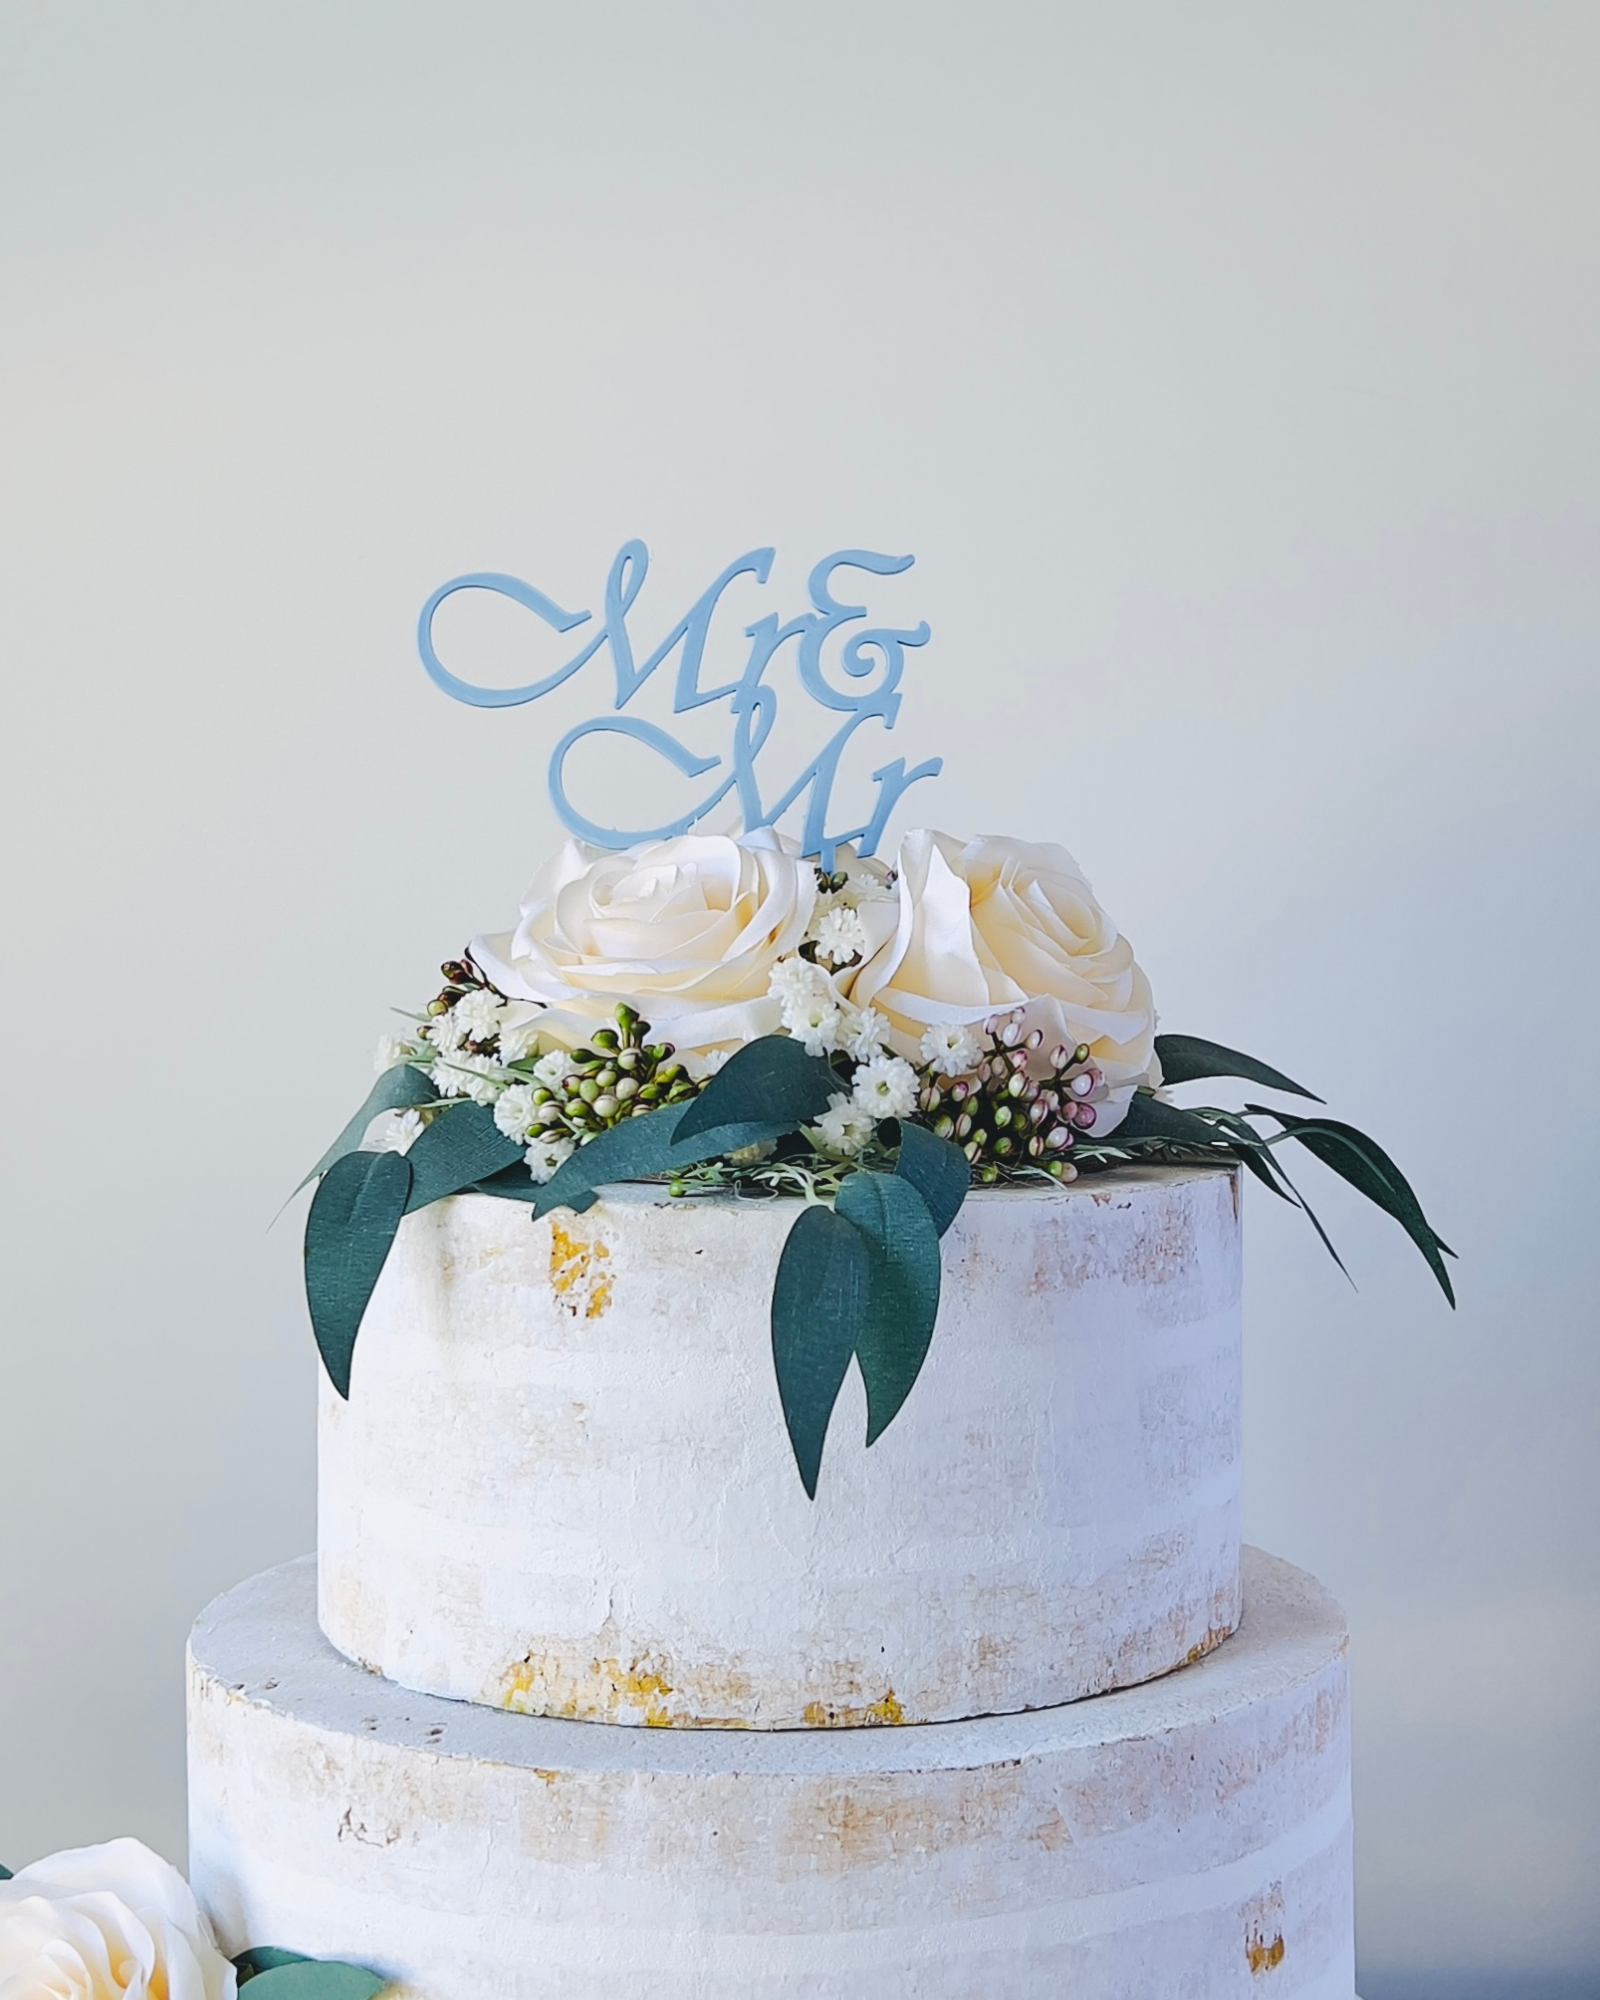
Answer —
873 657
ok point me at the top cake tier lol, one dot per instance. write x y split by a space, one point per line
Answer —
562 1481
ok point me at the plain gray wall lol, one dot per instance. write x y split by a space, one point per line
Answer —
1231 371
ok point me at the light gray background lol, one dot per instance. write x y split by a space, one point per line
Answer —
1231 371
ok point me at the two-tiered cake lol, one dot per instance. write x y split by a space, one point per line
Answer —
780 1524
586 1723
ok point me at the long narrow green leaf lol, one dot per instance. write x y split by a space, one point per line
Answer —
769 1081
936 1169
1188 1059
1368 1168
818 1298
397 1089
462 1145
1148 1118
903 1295
351 1224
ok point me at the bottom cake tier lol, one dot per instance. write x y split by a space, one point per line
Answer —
1184 1840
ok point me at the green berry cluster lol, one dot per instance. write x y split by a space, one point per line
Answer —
621 1074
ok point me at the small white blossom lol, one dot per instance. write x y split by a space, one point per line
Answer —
551 1070
463 1075
794 979
445 1032
477 1015
545 1155
394 1132
844 1127
714 1060
390 1052
814 1023
951 1048
515 1111
518 1041
886 1087
865 1033
840 935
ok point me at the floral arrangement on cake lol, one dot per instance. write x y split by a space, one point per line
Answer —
722 1014
116 1922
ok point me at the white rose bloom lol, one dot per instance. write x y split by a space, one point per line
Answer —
886 1087
107 1923
686 931
998 924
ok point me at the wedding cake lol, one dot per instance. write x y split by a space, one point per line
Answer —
779 1523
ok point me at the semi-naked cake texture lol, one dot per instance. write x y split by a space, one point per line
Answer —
562 1483
1185 1840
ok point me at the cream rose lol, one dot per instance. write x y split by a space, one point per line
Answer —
107 1923
997 924
687 931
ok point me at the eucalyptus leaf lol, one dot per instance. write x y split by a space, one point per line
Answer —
5 1874
1368 1168
818 1299
631 1151
937 1170
264 1958
771 1081
397 1089
903 1293
314 1979
460 1146
1188 1059
351 1224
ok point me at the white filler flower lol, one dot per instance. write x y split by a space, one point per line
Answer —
543 1158
840 935
886 1087
951 1048
107 1923
844 1127
389 1052
516 1113
477 1015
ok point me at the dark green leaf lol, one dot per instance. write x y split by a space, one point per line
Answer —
396 1090
903 1296
1368 1168
462 1145
936 1169
1187 1059
1148 1118
314 1979
768 1082
640 1148
352 1222
5 1874
818 1298
631 1151
263 1958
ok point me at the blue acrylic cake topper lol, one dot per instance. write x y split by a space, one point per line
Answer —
753 705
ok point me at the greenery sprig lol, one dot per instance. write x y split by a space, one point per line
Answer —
859 1275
